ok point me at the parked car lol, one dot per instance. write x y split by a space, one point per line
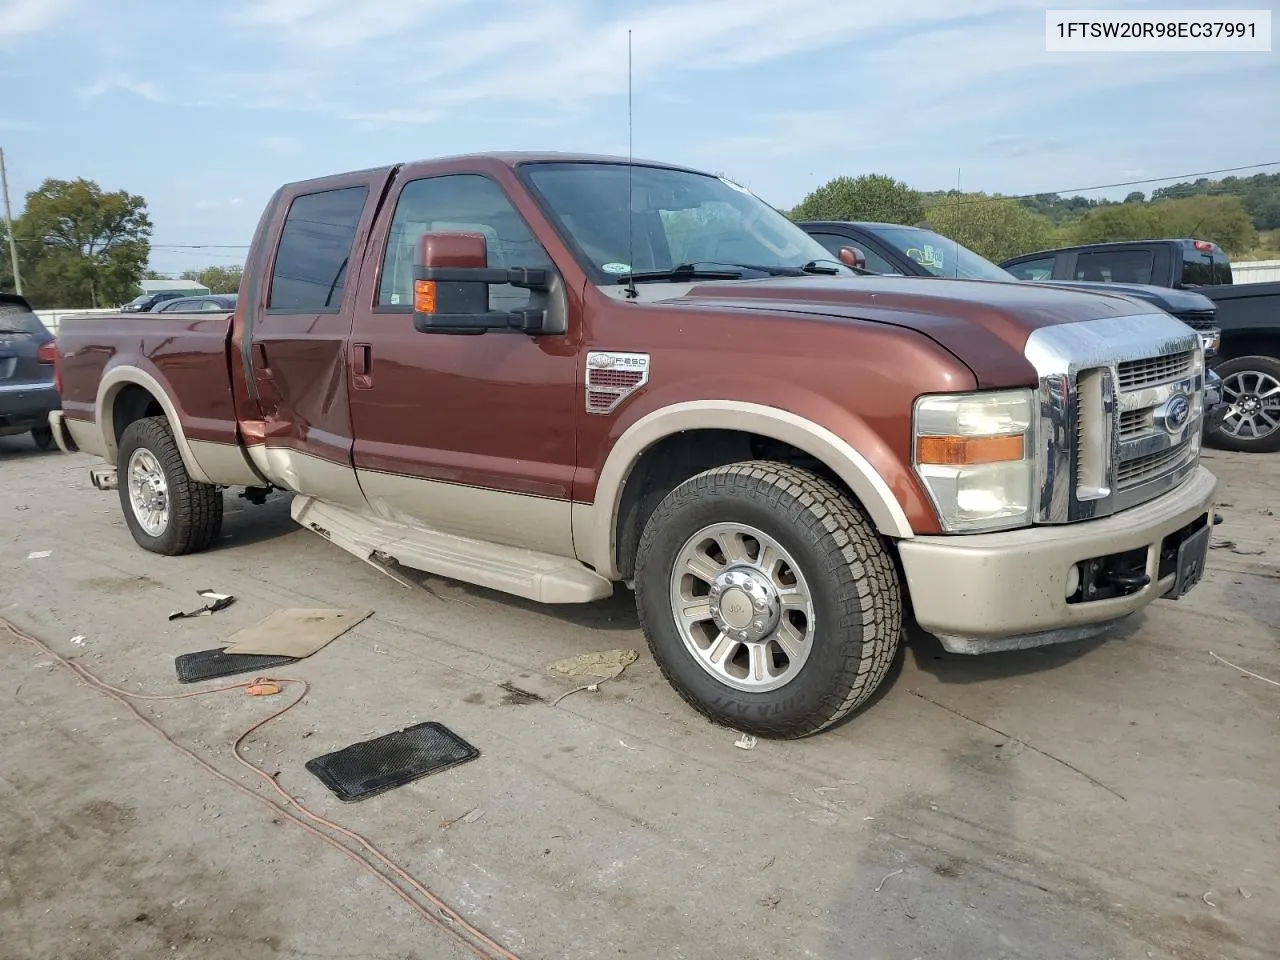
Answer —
917 252
28 392
210 303
1248 315
889 248
147 301
485 367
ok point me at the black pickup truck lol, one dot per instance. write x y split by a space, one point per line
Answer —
1248 315
917 252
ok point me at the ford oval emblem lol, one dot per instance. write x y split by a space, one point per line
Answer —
1176 413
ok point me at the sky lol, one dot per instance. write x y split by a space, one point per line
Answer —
206 108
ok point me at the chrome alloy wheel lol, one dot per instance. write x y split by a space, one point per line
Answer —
742 606
148 492
1254 399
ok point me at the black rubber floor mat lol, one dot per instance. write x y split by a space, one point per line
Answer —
210 664
368 768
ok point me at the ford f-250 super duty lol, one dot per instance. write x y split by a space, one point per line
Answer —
547 374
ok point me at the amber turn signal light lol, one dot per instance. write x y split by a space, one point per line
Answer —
967 451
424 296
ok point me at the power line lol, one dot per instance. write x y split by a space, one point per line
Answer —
1124 183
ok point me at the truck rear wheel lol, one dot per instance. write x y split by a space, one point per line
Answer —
1251 385
768 599
167 512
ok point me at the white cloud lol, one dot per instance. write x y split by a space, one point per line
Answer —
19 17
139 88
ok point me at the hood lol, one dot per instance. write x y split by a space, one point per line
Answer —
983 323
1166 298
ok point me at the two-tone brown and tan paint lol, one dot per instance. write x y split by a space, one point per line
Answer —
488 436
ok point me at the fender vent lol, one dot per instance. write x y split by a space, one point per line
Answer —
612 377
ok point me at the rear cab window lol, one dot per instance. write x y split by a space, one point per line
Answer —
1204 268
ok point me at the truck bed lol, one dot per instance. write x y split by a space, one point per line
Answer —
186 354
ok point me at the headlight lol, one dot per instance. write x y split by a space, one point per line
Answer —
975 453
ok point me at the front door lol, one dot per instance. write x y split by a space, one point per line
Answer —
470 435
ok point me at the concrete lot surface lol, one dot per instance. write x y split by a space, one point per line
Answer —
1111 799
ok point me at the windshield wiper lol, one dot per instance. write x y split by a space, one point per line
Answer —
819 266
682 271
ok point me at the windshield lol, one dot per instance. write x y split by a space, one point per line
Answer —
940 256
677 217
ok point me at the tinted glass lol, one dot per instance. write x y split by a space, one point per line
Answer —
1202 269
1116 266
464 203
315 250
15 318
939 256
676 217
833 243
1032 269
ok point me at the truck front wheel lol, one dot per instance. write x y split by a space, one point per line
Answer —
768 599
167 512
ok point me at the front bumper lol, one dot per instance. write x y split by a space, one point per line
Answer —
1215 404
999 591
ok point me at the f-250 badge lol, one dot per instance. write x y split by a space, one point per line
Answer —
612 377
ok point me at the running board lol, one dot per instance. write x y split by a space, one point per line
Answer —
523 573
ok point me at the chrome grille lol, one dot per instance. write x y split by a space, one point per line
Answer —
1144 469
1121 405
1134 423
1152 371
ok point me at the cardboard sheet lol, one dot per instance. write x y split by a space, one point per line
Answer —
295 632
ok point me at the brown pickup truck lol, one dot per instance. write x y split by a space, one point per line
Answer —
547 374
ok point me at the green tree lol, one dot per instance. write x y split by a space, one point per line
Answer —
82 247
1222 219
217 279
1136 197
1119 221
996 227
872 196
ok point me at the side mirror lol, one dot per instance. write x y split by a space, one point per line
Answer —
853 257
451 278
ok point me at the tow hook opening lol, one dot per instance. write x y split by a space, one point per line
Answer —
1108 577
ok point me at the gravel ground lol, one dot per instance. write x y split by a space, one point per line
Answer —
1110 799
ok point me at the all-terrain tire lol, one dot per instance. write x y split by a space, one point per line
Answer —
1249 372
851 578
194 509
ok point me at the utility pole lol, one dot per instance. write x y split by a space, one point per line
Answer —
8 227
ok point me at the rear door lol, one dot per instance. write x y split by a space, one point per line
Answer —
299 330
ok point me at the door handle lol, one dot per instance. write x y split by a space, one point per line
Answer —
361 366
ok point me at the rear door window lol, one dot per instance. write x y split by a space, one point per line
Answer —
1116 266
1200 269
314 257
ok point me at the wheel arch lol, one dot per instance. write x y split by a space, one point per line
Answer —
128 393
605 532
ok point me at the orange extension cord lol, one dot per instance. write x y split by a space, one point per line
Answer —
444 917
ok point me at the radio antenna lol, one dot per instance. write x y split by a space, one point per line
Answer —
631 237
